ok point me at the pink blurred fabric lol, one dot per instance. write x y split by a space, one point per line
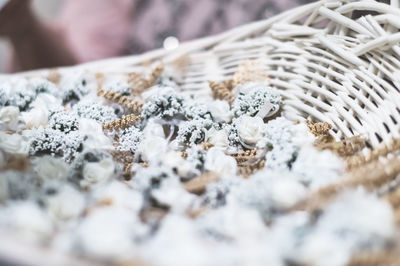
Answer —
97 29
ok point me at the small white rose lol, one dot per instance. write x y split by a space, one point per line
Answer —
217 161
48 168
99 172
152 148
184 168
14 143
9 118
250 129
219 138
36 117
67 204
153 129
95 135
220 111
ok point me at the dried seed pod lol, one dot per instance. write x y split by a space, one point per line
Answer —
123 122
250 71
123 157
220 91
120 99
138 83
198 184
17 163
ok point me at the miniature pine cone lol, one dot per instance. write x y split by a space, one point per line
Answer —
250 71
125 101
220 91
123 122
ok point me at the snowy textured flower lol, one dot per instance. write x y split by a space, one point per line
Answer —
164 104
195 110
250 129
9 118
130 138
256 99
118 85
63 121
194 131
92 110
74 86
217 161
220 111
55 143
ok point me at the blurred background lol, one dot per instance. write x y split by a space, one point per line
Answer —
47 9
46 33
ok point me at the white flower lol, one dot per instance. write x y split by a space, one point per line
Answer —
219 138
46 100
14 144
66 204
250 129
220 111
217 161
36 117
29 220
184 168
152 148
99 172
153 129
48 168
9 118
95 135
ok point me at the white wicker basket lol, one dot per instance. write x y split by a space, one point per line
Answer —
328 66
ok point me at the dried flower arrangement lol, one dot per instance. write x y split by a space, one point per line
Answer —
137 159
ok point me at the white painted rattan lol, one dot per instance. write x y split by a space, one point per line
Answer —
328 65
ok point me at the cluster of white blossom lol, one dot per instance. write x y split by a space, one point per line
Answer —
73 189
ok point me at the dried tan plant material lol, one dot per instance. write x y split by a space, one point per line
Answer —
371 176
184 154
123 122
125 101
196 213
346 147
105 202
181 64
245 156
54 76
140 83
221 91
394 198
123 157
375 258
206 145
155 74
198 184
359 160
249 169
250 71
17 163
152 214
319 128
